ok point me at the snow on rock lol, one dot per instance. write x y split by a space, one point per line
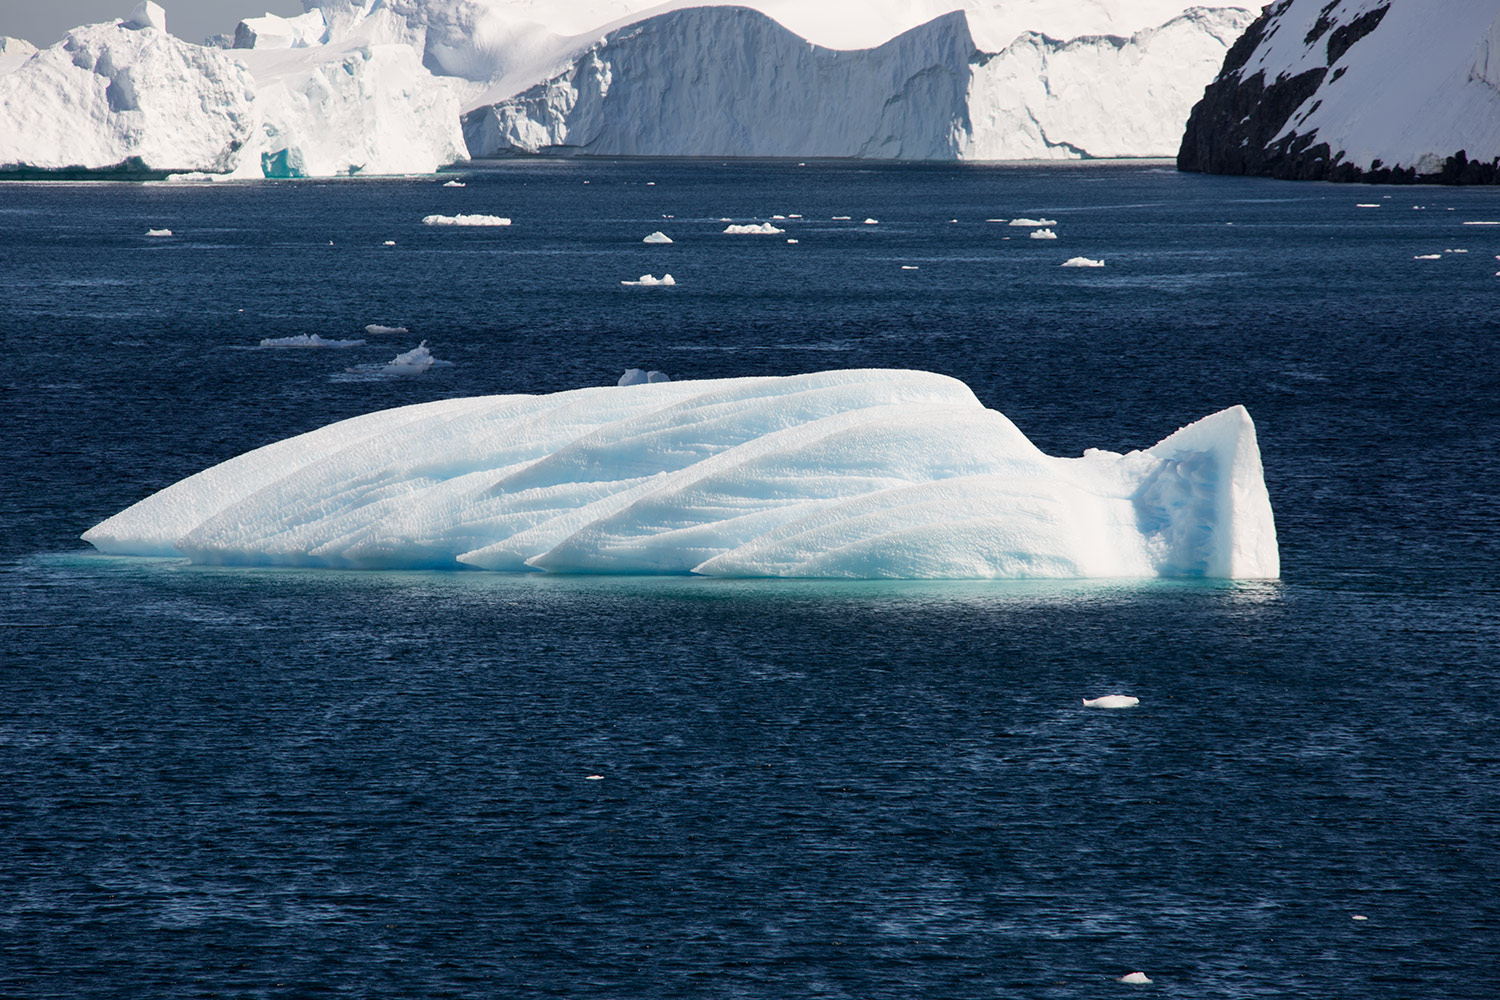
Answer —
761 229
639 376
1082 262
840 474
108 96
1356 90
650 281
658 237
465 220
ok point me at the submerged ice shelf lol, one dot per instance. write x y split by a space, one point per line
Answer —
839 474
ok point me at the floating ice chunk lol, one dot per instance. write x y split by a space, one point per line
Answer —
1358 916
455 184
726 220
158 232
990 220
1455 251
639 376
842 218
465 220
1428 256
1112 701
793 241
1367 204
651 184
909 267
840 474
1031 223
1080 262
658 237
764 229
376 329
389 243
1135 978
794 216
1479 223
192 177
650 281
594 777
146 15
872 222
778 218
1043 234
308 340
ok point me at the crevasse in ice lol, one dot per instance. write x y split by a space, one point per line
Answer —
839 474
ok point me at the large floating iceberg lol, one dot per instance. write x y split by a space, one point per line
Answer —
840 474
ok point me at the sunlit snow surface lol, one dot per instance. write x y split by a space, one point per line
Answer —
841 474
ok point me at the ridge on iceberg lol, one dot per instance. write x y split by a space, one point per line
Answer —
839 474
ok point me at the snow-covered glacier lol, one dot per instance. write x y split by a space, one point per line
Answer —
379 86
1371 90
695 82
839 474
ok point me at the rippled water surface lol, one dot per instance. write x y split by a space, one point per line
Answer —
297 784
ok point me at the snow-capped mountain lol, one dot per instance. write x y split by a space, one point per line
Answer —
1373 90
378 86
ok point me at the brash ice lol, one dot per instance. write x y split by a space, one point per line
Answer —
840 474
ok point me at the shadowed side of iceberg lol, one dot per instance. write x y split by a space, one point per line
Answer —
860 474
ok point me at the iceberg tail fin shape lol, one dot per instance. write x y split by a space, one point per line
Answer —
1205 508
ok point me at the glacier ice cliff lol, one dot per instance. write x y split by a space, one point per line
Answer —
839 474
380 86
1351 90
730 81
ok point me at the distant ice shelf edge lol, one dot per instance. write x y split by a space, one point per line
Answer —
852 474
409 87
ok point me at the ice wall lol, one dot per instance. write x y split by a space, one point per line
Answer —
842 474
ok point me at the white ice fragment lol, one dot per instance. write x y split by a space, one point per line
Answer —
842 218
778 218
872 222
658 237
465 220
594 777
414 362
454 184
794 216
651 281
1030 223
375 329
1479 223
1043 234
639 376
1358 916
1455 251
764 229
792 241
1080 262
1112 701
1428 256
307 340
158 232
1367 204
1135 978
389 243
909 267
991 220
146 15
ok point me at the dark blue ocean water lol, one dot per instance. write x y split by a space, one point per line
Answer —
301 784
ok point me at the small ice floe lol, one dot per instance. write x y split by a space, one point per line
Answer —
1112 701
466 220
842 218
658 237
455 184
1081 262
1032 223
1043 234
1455 251
650 281
778 218
651 184
1479 223
376 330
794 216
414 362
1358 916
764 229
791 241
192 177
158 232
1367 204
726 220
872 222
1135 979
909 267
639 376
991 220
1428 256
389 243
307 340
594 777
